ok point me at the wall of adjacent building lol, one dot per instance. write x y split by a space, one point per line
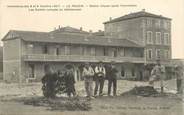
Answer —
127 29
12 60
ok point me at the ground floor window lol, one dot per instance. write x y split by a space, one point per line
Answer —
133 72
31 71
122 72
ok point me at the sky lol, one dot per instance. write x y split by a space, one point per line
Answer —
89 18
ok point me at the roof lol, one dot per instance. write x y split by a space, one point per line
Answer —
70 30
136 15
99 33
69 38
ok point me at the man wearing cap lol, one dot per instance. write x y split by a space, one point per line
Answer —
179 77
88 75
112 78
99 78
158 72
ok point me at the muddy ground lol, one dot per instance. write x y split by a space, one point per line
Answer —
27 99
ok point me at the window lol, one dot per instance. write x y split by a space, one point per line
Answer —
57 51
158 23
158 53
149 22
31 71
93 53
158 38
167 54
122 71
114 52
166 38
149 53
45 49
67 50
105 51
166 25
149 37
122 52
133 72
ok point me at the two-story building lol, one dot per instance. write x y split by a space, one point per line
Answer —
26 53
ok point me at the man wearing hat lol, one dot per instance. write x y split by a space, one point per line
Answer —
99 78
88 75
112 78
179 77
158 72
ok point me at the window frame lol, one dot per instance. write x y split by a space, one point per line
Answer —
148 54
168 39
158 39
149 40
158 53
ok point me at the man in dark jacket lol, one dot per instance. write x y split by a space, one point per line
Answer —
112 78
70 81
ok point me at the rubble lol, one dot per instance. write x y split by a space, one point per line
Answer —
145 91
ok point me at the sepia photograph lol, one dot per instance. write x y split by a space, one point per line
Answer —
91 57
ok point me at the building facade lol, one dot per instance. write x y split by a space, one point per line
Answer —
125 40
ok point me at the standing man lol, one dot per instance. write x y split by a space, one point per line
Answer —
179 78
99 78
112 78
70 80
88 75
158 72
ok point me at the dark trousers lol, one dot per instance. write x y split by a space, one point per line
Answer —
70 90
179 83
110 82
99 81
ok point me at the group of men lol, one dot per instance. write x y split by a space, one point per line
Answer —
98 75
90 75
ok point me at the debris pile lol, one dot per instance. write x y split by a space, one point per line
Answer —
62 104
145 91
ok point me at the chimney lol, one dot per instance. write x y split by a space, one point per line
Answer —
59 27
143 10
80 28
90 31
99 30
110 18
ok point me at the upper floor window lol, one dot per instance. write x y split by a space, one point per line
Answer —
167 54
149 54
166 24
67 50
115 52
105 51
45 49
149 37
158 53
149 22
57 51
166 38
122 52
158 23
93 51
158 38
